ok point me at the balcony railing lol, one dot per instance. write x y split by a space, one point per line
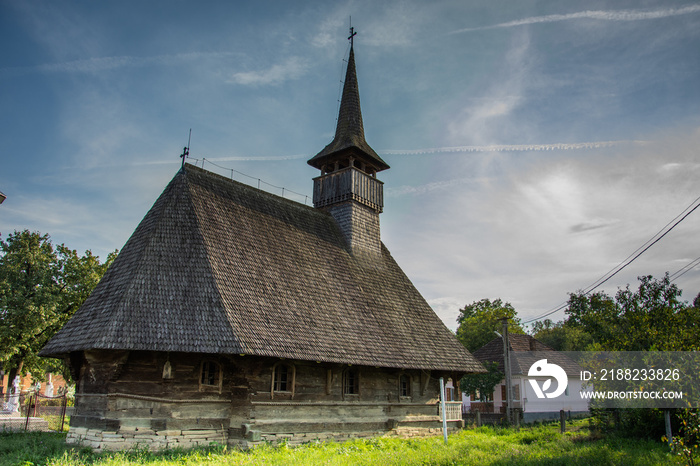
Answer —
453 410
346 184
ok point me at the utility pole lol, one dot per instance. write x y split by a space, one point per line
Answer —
506 368
443 407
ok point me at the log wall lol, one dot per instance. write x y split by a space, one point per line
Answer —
158 400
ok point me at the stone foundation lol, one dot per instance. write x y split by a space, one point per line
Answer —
130 438
301 438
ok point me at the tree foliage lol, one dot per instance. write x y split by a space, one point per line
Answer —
41 287
650 318
687 444
482 384
562 337
478 321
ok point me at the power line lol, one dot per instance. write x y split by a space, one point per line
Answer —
644 247
619 268
632 257
548 313
685 269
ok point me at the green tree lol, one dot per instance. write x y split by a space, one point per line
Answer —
41 287
651 317
478 320
593 314
686 444
482 384
562 337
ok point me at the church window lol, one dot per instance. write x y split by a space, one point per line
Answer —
404 385
211 374
283 378
351 382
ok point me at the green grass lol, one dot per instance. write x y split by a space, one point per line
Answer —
541 445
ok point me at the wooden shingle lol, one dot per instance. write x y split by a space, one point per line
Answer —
219 267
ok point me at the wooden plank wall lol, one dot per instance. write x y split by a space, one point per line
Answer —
163 391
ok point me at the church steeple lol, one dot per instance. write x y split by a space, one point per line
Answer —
349 140
348 187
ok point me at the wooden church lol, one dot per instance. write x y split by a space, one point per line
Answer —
236 316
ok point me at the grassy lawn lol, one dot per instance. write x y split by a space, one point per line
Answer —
542 445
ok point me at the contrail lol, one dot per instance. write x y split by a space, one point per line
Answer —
513 147
441 150
622 15
433 150
92 65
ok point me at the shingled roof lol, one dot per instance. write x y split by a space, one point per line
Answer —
525 351
217 266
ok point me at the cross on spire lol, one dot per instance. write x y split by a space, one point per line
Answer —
184 155
352 35
186 150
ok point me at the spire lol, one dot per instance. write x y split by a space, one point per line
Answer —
349 133
348 188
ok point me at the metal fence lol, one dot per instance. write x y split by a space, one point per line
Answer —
46 413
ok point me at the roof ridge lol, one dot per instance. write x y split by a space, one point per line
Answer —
224 179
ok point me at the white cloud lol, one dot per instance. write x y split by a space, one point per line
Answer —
327 35
395 24
292 68
447 308
620 15
548 222
74 222
424 188
378 24
488 119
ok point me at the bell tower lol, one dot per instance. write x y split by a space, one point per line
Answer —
348 187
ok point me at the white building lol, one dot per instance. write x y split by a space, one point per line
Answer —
526 380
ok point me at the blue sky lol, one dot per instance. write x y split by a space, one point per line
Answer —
534 145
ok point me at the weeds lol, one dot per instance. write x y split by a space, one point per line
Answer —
536 445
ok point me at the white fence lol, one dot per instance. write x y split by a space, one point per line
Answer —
453 410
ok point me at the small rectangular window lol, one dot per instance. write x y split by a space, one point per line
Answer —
404 385
210 373
281 378
351 383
